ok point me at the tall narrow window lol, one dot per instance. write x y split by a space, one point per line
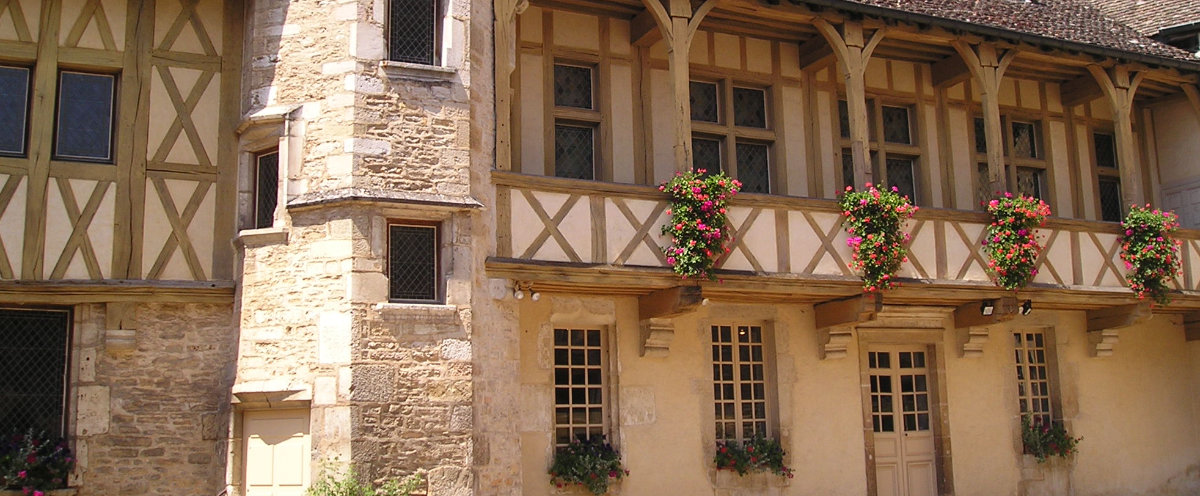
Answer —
1033 381
579 388
732 132
33 370
1110 199
413 263
413 31
266 191
739 383
576 122
14 109
84 128
1105 150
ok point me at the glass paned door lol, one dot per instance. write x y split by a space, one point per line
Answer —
901 421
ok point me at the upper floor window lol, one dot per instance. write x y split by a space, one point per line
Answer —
266 188
14 109
731 132
580 399
1024 160
742 403
891 135
1104 149
414 264
413 31
84 124
576 121
33 370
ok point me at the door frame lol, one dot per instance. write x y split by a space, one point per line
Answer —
933 341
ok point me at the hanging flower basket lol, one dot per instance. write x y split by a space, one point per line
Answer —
873 219
1150 253
1011 244
697 226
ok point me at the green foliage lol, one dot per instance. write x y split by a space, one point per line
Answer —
697 227
873 219
758 454
1149 252
1011 243
1044 440
350 484
33 462
590 463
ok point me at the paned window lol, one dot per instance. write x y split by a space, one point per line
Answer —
739 382
33 370
1024 162
890 135
414 272
900 175
1029 181
579 388
1104 146
1106 150
266 190
1110 199
413 31
14 109
576 121
1024 140
1033 381
899 382
739 145
896 125
84 127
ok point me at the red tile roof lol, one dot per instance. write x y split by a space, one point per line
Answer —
1151 16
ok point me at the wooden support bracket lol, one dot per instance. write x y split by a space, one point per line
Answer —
835 321
1104 325
656 313
1191 326
971 324
119 335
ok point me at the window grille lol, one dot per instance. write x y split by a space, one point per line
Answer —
412 26
1106 150
897 128
753 167
900 175
703 98
1110 199
739 382
574 152
33 370
14 109
573 86
1033 383
844 118
84 130
980 136
1024 140
413 269
749 107
706 155
847 168
579 396
1029 181
266 193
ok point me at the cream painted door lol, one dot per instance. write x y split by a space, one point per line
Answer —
277 452
900 418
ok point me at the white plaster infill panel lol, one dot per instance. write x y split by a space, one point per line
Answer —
805 242
12 222
922 250
620 230
757 233
959 250
1056 258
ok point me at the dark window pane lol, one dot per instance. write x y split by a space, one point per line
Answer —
413 29
900 174
1025 143
14 103
1110 199
749 107
412 263
574 152
896 126
844 118
85 116
1106 150
267 191
573 86
706 155
1029 181
33 358
984 192
752 168
980 136
847 168
704 101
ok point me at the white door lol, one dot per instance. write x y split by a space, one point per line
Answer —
900 418
277 452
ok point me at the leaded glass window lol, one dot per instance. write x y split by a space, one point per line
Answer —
897 128
579 396
983 191
33 370
980 136
1106 150
14 109
84 130
1029 181
413 263
753 170
573 86
847 168
1024 140
1110 199
739 382
706 155
574 151
412 31
900 175
749 107
1033 381
266 193
703 98
844 118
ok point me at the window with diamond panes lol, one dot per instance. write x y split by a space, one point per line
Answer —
980 136
1110 199
14 109
1029 181
266 193
739 382
576 121
847 168
574 152
749 107
844 118
753 169
739 146
1023 161
33 370
1033 381
573 86
413 31
579 396
1024 140
896 125
900 175
413 263
703 99
1106 150
84 127
706 155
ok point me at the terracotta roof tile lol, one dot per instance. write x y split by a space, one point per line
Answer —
1151 16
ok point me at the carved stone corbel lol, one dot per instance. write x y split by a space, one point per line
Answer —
1191 326
971 323
656 337
1104 325
120 338
656 313
835 321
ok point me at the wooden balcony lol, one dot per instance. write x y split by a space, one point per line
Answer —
582 236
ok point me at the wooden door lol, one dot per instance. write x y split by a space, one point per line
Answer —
277 452
901 421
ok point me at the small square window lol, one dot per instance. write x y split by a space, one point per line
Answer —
1030 181
413 263
897 128
266 191
84 130
1110 199
14 109
706 155
900 174
753 167
413 31
749 107
574 151
1106 150
703 99
1024 140
573 86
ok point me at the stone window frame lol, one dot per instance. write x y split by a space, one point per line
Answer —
278 129
879 148
1055 384
606 383
24 143
1012 163
439 271
449 46
726 131
68 379
578 117
770 374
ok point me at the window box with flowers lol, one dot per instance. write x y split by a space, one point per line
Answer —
873 220
757 462
697 226
1150 253
34 464
592 464
1011 244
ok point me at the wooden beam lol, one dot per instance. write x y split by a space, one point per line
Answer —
971 314
814 52
644 30
1082 89
669 302
949 72
1104 326
1191 326
844 311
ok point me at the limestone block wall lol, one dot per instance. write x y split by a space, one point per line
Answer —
149 415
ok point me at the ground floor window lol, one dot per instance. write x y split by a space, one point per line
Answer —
739 382
1033 382
33 370
579 385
